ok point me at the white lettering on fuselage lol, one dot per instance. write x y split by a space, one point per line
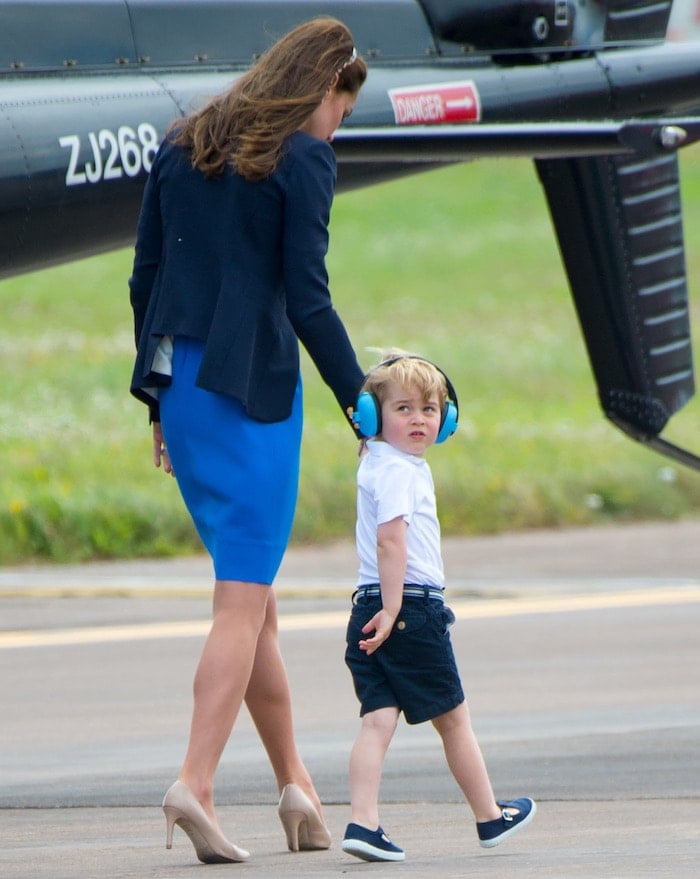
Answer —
419 108
126 152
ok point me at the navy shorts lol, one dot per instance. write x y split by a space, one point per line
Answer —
414 670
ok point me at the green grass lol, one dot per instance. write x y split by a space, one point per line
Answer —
460 265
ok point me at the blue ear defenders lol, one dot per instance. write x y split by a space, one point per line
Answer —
368 411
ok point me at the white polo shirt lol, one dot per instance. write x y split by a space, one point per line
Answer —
391 483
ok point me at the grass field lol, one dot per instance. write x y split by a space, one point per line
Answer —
460 265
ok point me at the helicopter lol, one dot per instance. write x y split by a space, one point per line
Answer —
590 90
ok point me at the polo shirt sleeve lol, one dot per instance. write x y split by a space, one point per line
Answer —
394 493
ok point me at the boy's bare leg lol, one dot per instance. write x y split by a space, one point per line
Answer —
366 763
466 762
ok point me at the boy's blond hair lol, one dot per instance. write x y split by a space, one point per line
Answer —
408 370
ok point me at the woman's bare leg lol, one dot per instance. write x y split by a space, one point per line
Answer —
221 681
269 701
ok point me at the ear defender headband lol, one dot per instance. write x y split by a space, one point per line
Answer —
368 411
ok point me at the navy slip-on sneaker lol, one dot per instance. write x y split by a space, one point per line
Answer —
492 833
370 845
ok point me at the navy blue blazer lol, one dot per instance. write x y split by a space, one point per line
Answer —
241 267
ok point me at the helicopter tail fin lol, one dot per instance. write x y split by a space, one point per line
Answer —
636 19
619 226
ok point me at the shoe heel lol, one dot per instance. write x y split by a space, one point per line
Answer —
181 807
291 821
304 827
171 816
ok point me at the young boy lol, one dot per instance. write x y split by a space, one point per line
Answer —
398 644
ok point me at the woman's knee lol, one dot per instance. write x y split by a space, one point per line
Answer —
248 599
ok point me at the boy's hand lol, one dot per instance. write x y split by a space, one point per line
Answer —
381 624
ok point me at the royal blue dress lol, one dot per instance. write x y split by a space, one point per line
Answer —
238 476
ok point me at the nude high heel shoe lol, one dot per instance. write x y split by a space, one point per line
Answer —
304 827
183 808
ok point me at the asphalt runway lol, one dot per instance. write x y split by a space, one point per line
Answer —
579 652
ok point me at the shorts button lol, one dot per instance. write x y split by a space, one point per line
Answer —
401 625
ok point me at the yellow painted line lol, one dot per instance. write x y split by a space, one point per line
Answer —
100 634
591 601
463 610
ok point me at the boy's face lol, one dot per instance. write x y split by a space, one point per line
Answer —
410 423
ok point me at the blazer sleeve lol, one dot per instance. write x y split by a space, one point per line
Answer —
149 238
310 188
147 255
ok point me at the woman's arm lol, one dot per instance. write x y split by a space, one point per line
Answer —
309 196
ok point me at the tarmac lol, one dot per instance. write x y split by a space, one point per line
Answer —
568 839
589 558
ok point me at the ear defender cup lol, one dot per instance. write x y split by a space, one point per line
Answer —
368 415
448 422
368 412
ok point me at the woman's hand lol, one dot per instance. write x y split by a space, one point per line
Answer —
160 450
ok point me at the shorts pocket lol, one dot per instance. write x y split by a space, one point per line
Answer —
413 633
410 619
448 618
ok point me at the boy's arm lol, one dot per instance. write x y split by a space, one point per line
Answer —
391 561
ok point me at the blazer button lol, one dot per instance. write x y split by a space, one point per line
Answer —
401 625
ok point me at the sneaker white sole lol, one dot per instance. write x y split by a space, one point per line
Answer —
368 852
497 840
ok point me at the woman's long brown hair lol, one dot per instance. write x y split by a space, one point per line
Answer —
246 126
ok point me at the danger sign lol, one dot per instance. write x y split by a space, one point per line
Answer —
433 104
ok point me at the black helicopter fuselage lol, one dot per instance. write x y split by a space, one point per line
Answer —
88 89
589 89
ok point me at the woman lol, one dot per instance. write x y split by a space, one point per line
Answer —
229 273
